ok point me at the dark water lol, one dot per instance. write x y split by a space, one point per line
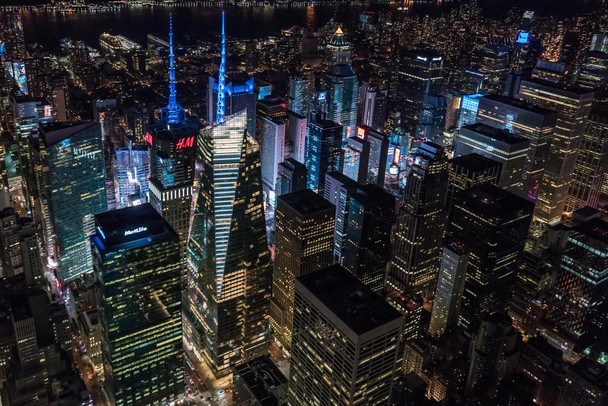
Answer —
47 28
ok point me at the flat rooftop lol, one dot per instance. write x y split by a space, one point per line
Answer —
474 162
305 202
491 201
348 299
595 228
54 133
264 379
520 104
130 228
496 134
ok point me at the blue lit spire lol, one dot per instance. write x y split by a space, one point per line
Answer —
221 81
173 112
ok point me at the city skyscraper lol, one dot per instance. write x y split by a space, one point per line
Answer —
367 246
339 188
531 122
323 149
493 225
346 342
299 92
421 223
303 244
450 285
572 107
342 86
137 260
71 180
229 274
591 163
499 145
467 171
292 177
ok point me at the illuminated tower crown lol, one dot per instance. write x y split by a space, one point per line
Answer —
221 80
173 113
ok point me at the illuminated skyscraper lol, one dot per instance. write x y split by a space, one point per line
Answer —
338 190
356 159
131 171
533 123
572 107
367 248
467 171
493 225
342 86
346 342
299 94
172 147
450 284
72 189
421 223
229 274
323 149
137 260
591 163
303 244
499 145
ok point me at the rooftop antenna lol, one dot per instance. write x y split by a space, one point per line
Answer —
221 97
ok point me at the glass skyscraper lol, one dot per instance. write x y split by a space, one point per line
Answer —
137 260
229 274
323 149
71 177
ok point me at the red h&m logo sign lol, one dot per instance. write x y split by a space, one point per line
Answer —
149 138
186 142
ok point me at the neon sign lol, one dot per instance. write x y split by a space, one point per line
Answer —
136 231
149 138
186 142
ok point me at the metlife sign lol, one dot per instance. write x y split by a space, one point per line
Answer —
135 231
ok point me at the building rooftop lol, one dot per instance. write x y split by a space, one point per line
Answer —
293 165
264 380
348 299
54 133
305 202
520 104
130 228
595 228
491 201
474 162
496 134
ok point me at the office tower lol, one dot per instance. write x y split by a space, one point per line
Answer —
499 145
172 152
131 171
467 171
378 154
239 95
450 285
323 149
494 354
420 76
259 382
472 82
299 92
572 107
367 247
13 40
339 188
72 189
374 104
271 132
421 223
334 315
296 135
533 123
342 88
469 108
492 224
494 64
591 163
577 306
338 48
550 72
229 277
356 159
19 248
292 177
584 384
303 244
137 259
593 72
